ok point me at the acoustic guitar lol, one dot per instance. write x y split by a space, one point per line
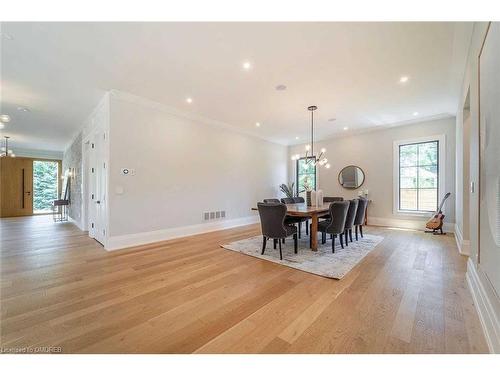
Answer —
435 224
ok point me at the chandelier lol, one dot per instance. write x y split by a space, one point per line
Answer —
5 150
311 159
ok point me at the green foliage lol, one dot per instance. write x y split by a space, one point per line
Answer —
287 189
44 185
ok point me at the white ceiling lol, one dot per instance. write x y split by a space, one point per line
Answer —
350 71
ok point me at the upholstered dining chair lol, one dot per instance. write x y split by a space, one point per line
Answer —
359 220
336 225
298 220
272 222
332 199
271 200
349 221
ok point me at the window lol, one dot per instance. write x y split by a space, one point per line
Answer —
45 185
306 175
418 174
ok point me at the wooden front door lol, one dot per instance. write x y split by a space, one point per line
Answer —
16 186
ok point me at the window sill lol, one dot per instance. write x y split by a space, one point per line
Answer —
414 213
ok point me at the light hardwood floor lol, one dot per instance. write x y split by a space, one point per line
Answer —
60 288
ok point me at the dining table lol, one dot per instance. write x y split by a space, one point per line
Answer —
311 212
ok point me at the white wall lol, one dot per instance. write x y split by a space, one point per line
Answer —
373 152
184 167
486 298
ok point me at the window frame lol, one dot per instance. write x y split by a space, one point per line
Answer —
297 174
441 139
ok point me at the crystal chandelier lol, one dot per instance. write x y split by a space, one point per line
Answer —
5 150
311 159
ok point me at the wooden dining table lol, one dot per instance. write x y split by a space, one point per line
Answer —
311 212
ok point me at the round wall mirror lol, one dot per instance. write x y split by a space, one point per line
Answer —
351 177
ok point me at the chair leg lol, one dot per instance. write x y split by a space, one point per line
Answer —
323 237
361 230
300 228
333 244
331 236
295 243
345 235
281 255
307 227
283 240
350 234
274 243
264 241
310 237
356 230
341 240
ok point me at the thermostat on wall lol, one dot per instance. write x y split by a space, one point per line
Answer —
128 171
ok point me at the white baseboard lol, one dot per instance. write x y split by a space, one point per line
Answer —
484 307
463 245
406 224
136 239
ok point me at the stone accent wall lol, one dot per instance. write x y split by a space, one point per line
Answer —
72 160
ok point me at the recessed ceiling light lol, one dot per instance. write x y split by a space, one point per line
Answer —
4 118
332 119
23 109
346 128
189 100
247 65
296 137
404 79
281 87
415 113
257 124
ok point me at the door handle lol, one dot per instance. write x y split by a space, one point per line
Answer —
98 202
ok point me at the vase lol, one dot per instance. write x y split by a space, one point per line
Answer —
308 198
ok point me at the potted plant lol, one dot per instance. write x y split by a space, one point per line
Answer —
287 190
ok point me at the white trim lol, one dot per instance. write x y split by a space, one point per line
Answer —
485 310
38 154
406 224
136 239
441 175
463 245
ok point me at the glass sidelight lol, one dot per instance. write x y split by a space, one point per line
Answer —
45 185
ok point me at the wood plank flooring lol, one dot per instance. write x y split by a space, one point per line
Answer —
59 288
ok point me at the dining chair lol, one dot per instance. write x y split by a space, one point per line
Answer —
271 200
360 216
336 225
298 200
349 221
272 222
332 199
294 219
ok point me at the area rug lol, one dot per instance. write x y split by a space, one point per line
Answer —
322 262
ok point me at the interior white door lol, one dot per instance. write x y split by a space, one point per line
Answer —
97 186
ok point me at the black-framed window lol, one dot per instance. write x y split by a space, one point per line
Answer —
306 174
419 176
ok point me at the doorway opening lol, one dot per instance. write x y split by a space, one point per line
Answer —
45 185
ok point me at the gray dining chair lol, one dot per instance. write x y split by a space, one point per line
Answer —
271 200
349 221
272 222
332 199
297 220
336 225
359 220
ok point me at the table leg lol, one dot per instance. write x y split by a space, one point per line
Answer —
314 232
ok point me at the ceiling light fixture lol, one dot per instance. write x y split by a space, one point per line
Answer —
415 113
321 160
6 151
247 65
404 79
257 124
346 128
296 137
4 118
189 100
